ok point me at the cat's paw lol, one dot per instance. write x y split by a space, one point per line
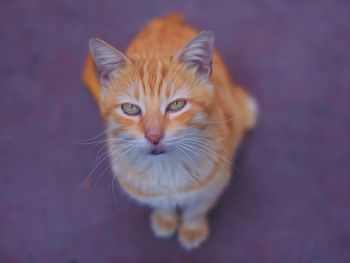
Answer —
193 233
163 224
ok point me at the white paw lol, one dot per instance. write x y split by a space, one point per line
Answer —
193 234
162 225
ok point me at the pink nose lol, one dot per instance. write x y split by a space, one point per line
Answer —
154 137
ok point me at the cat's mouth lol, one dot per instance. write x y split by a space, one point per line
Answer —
157 150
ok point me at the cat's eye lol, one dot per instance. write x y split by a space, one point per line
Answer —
176 105
131 109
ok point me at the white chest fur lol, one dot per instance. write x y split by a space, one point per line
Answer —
172 183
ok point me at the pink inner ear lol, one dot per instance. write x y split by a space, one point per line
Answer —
107 59
197 53
104 76
204 69
105 70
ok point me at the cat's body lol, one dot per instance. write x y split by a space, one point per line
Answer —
171 160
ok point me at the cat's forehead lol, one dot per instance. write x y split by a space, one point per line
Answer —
153 77
154 80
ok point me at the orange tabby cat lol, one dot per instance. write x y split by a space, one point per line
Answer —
174 118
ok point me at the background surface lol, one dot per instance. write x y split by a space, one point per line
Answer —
289 199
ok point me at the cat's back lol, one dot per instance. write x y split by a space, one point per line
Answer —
163 35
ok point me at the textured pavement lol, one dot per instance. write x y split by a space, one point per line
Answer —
290 196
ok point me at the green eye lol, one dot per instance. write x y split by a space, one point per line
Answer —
176 105
131 109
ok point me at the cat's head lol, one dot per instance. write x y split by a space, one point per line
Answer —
156 106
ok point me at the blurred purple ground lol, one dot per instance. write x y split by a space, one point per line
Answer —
290 198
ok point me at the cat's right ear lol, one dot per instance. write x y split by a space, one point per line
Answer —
108 60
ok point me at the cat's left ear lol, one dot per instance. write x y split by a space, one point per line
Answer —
108 60
197 54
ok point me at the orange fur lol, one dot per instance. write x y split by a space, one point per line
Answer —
154 75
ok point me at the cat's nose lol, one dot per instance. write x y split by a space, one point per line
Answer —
154 138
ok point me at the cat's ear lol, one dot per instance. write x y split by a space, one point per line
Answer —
198 53
109 61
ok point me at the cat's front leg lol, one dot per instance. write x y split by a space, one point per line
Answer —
164 222
194 228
